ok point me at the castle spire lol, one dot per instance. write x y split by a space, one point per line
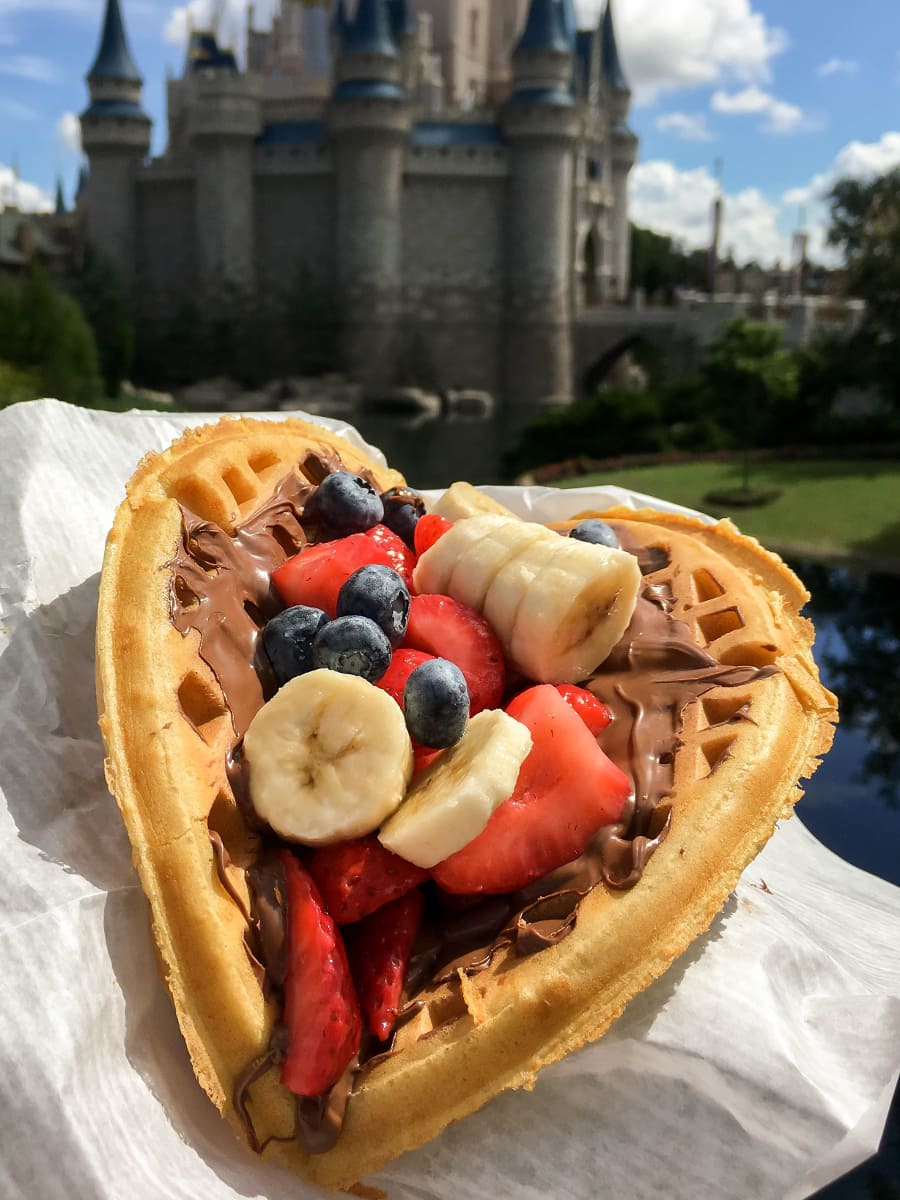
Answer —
113 60
370 31
340 22
61 209
545 28
403 19
612 67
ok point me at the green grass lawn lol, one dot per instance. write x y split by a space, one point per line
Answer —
826 507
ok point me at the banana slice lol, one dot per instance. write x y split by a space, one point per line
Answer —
463 500
454 798
329 758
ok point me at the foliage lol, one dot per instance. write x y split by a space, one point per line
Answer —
659 265
17 384
44 331
100 293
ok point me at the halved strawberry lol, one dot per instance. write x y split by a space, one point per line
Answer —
428 529
379 950
566 790
321 1010
357 877
316 575
449 629
593 712
401 557
403 663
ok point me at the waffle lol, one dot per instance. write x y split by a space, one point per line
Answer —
167 731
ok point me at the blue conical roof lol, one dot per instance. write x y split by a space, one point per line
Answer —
568 7
403 19
114 59
340 22
545 28
612 68
370 31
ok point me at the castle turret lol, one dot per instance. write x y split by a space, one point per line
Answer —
540 123
623 145
115 134
224 120
404 28
369 121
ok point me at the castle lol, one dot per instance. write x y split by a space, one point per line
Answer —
452 172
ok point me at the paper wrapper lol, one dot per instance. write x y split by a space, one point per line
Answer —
760 1065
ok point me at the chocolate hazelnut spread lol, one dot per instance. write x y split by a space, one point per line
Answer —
221 588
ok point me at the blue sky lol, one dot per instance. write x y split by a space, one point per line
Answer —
788 95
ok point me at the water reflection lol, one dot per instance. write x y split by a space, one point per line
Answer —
853 801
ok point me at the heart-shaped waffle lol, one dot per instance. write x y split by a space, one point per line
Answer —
742 749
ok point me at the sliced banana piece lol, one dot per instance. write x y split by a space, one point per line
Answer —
329 758
433 570
463 500
452 801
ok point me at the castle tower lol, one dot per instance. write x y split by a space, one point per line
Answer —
541 125
115 134
403 29
624 151
224 120
369 122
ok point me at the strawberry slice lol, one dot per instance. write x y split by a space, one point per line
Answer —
401 557
428 529
450 629
566 790
316 575
403 663
593 712
357 877
321 1011
379 950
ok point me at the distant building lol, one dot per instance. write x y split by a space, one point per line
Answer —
454 174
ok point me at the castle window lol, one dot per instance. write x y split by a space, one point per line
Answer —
594 170
473 28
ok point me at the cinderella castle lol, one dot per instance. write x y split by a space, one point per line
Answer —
452 173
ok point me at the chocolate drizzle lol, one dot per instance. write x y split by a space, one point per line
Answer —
221 588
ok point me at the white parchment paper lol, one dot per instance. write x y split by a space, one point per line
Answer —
761 1065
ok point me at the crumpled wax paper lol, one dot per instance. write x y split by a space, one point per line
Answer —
760 1065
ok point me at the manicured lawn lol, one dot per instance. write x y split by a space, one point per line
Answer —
830 507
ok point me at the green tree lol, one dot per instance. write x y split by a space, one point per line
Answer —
101 294
749 375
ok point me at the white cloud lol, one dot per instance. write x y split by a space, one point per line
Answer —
781 117
28 196
691 127
29 66
690 43
68 132
679 202
230 17
837 66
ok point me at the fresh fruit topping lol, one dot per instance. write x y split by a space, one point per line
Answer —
558 605
381 595
448 629
429 529
595 714
399 556
596 532
567 789
315 576
357 877
329 758
436 704
379 949
345 503
321 1011
403 663
403 507
450 803
463 500
423 757
352 646
288 638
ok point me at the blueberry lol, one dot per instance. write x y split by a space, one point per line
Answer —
380 594
436 704
288 638
346 503
596 532
353 646
402 509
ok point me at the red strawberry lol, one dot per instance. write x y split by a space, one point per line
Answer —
357 877
403 663
321 1010
593 712
567 788
423 756
401 557
379 950
449 629
316 575
428 529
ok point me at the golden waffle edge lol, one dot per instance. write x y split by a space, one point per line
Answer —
166 730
